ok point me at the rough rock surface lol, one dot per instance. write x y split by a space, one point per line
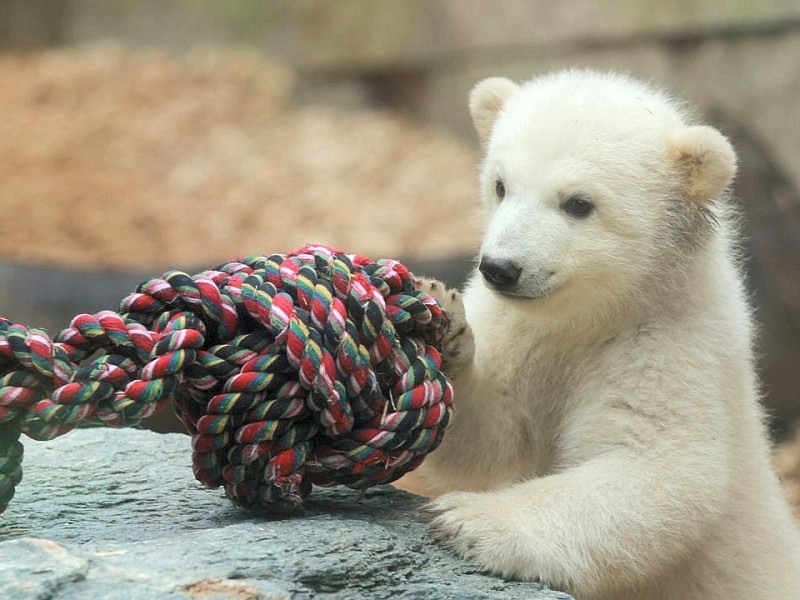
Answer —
112 514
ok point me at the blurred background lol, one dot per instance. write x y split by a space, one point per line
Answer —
142 135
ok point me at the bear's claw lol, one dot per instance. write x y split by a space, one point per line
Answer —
458 348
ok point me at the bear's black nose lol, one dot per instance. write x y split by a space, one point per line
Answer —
500 273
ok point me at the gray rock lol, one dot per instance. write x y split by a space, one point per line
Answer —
117 514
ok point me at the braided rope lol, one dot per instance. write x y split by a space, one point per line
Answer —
314 367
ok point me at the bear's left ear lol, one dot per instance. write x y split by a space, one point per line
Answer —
707 160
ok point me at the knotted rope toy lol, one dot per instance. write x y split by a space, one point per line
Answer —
313 367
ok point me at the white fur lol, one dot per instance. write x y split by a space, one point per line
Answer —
608 437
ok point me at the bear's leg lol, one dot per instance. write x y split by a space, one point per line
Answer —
612 521
457 354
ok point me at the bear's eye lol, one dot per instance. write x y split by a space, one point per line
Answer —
578 206
500 189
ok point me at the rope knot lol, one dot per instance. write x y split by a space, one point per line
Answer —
314 367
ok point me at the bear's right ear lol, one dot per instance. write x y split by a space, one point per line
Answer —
486 100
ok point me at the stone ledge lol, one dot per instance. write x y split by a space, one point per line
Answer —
112 514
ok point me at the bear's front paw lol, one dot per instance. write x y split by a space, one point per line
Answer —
459 344
480 530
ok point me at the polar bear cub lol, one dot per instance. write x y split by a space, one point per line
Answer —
608 438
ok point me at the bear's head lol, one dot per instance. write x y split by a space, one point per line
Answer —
593 186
